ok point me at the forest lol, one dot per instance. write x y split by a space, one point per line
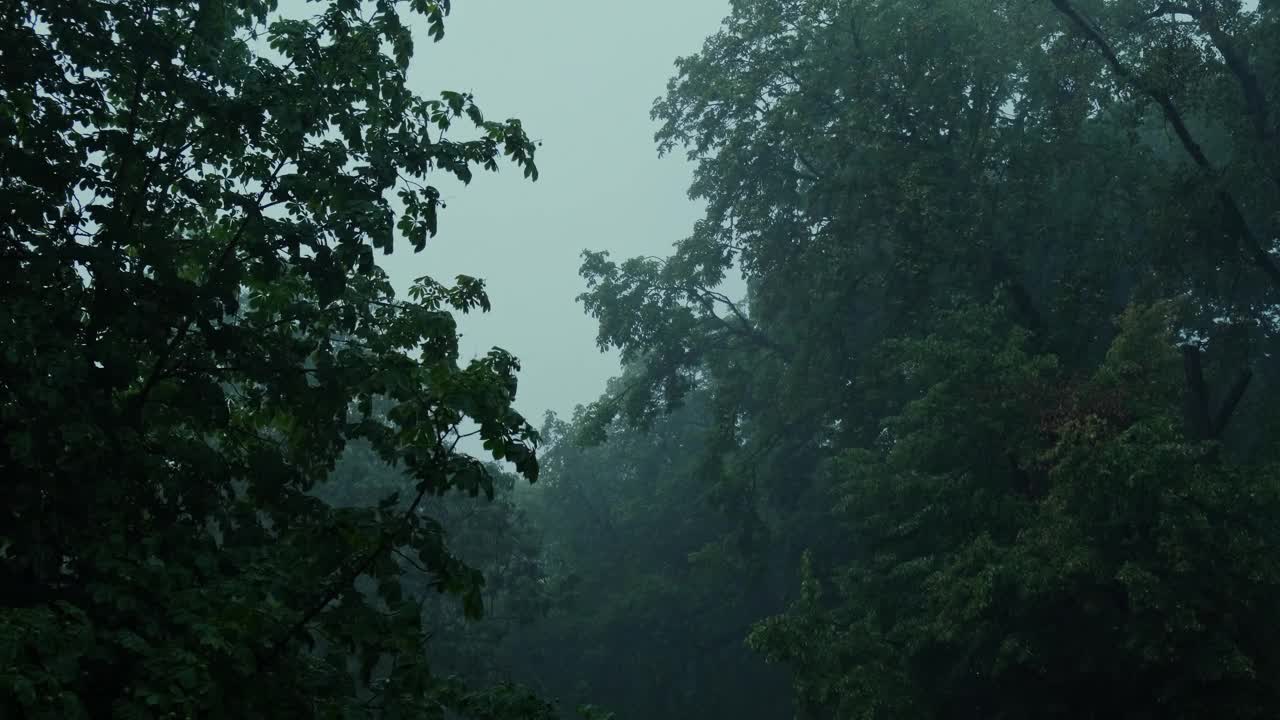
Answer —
953 405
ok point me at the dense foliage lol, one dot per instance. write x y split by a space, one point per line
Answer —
954 405
647 612
1002 361
491 535
196 327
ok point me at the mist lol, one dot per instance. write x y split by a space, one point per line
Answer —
877 359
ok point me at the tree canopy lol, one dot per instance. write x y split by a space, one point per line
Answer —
195 328
994 395
954 405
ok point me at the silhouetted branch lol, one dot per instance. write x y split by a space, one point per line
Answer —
747 328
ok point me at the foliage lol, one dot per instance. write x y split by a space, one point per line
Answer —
647 610
196 327
986 435
493 536
1125 575
1008 327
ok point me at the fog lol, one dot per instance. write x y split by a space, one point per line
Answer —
951 398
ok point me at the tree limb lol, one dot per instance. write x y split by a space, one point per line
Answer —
1235 219
1199 426
1230 402
1018 293
1255 97
139 401
343 580
748 329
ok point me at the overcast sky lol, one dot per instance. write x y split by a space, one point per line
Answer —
582 76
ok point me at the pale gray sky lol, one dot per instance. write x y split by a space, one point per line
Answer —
581 75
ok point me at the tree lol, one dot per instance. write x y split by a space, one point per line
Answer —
646 614
494 536
196 327
1116 573
939 210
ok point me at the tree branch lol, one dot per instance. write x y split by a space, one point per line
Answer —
1230 402
1018 293
1235 219
748 329
344 578
1255 97
161 365
1199 426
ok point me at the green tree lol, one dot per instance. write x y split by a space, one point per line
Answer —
1117 572
939 210
647 616
494 536
195 327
